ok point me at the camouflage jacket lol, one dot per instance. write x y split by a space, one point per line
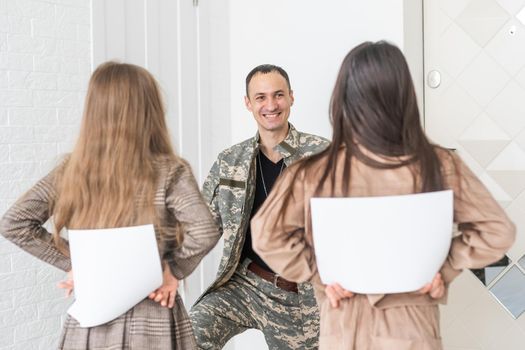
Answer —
229 190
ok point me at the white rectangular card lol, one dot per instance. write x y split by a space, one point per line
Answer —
113 270
381 245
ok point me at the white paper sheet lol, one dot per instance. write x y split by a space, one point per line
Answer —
113 270
381 245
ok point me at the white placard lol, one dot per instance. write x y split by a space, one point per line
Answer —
113 270
382 245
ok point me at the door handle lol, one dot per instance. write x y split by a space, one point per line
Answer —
434 79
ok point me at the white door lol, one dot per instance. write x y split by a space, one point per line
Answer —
474 102
166 37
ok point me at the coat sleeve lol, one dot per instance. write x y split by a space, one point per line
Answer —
200 234
210 190
23 223
486 232
278 231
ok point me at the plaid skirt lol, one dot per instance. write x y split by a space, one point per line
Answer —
146 326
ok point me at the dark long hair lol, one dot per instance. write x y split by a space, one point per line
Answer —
374 106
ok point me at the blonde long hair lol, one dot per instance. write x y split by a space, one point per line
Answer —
109 180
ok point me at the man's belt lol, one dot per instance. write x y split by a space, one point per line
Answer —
277 280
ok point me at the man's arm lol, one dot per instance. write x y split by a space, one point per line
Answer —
210 192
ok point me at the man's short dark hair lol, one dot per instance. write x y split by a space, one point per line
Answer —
264 69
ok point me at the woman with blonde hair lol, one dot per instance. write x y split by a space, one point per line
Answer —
122 172
378 148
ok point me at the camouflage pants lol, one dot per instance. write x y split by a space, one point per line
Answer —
288 320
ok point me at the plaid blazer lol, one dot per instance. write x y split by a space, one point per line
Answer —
178 203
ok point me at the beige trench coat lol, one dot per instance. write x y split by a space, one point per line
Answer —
396 321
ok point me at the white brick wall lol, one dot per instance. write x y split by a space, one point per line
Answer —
45 63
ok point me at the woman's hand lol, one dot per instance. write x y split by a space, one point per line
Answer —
67 284
436 289
336 293
165 294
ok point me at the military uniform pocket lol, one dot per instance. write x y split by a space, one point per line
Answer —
232 183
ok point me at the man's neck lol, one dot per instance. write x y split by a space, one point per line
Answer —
268 140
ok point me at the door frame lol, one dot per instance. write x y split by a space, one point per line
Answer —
413 48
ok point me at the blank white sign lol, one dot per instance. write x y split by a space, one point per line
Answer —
113 270
382 245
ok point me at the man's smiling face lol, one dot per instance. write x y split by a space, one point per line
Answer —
269 101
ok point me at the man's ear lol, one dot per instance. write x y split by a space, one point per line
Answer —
291 97
248 103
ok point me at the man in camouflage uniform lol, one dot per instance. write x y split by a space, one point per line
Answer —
247 294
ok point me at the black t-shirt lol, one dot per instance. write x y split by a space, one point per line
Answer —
270 172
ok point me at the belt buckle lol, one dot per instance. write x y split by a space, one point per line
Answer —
275 278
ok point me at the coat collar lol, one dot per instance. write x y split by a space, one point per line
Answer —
287 147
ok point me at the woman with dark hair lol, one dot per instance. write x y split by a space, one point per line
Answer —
122 172
378 148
